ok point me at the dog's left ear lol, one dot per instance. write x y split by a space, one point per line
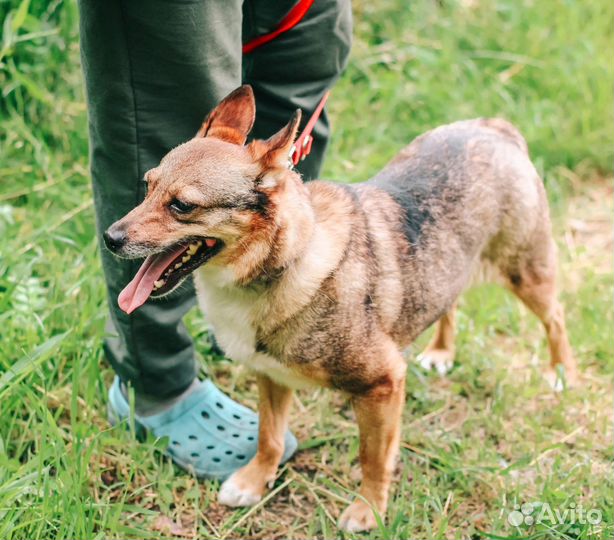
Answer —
233 118
275 151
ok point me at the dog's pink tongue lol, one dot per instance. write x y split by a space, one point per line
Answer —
136 293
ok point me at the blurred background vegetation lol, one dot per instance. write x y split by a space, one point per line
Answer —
546 65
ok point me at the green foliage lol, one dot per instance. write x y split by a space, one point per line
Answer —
546 66
486 437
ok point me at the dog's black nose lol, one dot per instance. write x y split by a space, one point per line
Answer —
114 239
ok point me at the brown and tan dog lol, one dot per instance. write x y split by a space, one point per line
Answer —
325 283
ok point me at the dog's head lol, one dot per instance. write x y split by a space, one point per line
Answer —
206 201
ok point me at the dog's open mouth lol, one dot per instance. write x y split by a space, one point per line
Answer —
162 272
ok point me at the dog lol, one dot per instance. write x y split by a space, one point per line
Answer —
324 283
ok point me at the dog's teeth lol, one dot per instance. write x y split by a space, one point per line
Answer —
178 265
159 283
185 258
192 249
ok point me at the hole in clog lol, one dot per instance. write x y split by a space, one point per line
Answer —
236 416
250 438
204 414
252 422
219 405
240 456
210 447
221 428
195 454
235 435
192 437
176 443
216 459
229 452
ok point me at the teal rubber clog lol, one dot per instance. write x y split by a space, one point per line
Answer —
210 435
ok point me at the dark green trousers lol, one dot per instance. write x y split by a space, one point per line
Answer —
153 70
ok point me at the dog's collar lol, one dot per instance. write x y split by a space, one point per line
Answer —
302 146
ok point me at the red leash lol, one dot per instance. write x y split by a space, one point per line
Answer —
302 145
294 16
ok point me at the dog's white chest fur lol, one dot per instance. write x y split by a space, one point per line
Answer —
230 310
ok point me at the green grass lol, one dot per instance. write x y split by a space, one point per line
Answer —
488 436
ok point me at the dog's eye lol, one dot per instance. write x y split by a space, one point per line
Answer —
181 207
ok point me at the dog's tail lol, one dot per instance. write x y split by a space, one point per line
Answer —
508 130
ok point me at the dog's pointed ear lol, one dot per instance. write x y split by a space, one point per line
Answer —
233 118
275 151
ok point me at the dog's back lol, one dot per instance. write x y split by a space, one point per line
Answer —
461 172
468 194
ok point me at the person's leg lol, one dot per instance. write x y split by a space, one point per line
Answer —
294 70
153 70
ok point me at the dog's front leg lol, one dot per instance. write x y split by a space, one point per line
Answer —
246 486
379 421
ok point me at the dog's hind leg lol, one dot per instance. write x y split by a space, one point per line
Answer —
439 353
378 413
534 282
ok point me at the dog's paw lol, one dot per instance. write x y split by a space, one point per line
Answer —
357 517
441 360
559 381
236 493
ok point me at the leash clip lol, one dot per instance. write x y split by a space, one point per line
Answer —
291 156
302 146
